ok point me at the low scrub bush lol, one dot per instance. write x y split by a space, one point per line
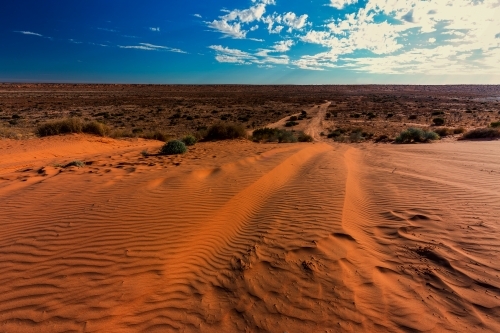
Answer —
173 147
291 123
356 137
95 127
303 137
412 135
286 137
336 133
273 135
223 131
189 140
444 131
482 133
438 121
382 138
495 124
71 125
63 126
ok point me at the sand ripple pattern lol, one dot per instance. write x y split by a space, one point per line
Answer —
301 238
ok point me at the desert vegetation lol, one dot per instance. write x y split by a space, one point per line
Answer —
167 112
72 125
279 135
224 131
173 147
482 133
414 135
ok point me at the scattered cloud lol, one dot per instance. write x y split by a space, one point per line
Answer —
108 30
236 23
339 4
197 15
157 29
262 57
152 47
377 36
29 33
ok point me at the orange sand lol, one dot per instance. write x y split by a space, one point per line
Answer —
238 236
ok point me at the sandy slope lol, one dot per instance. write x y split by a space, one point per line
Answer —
239 236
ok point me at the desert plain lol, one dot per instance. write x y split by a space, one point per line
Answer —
239 236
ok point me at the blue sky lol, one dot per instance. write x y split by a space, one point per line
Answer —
251 41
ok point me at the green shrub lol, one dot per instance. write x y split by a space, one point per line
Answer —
356 137
223 131
173 147
482 133
459 130
286 137
303 137
265 134
430 136
336 133
293 118
495 124
189 140
273 135
291 123
437 113
412 117
416 135
438 121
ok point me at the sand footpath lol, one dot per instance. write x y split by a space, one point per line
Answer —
239 236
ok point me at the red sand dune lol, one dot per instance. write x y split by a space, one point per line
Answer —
237 236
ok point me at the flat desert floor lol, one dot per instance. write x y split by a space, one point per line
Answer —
236 236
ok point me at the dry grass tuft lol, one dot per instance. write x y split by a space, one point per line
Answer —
482 133
72 125
222 131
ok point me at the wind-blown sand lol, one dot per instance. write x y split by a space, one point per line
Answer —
238 236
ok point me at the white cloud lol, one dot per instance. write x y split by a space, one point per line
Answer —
227 29
339 4
233 23
378 36
284 45
155 29
228 55
29 33
197 15
152 47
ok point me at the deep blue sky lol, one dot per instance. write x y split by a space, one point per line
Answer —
245 41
